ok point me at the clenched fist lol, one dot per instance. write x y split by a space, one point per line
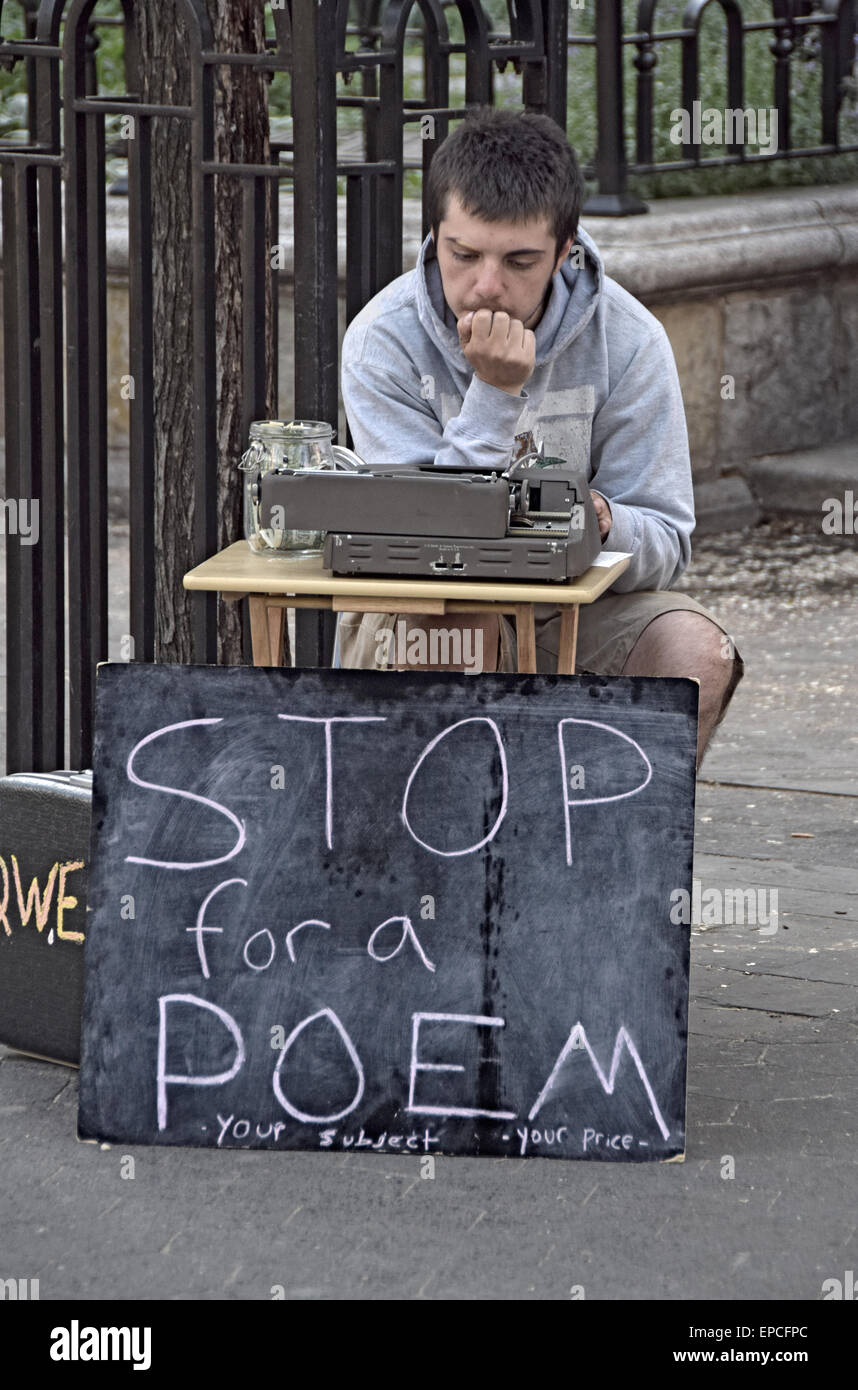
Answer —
501 350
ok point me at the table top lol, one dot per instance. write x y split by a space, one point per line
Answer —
237 569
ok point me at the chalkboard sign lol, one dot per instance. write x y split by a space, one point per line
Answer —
418 912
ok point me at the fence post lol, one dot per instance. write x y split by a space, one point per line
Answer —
314 115
86 366
612 199
555 23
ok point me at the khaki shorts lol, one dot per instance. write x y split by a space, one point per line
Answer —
607 631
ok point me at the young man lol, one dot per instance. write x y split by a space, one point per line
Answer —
508 324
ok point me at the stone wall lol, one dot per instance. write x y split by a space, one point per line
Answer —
762 289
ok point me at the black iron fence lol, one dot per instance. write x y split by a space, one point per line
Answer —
54 263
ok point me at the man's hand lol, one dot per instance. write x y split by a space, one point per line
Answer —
603 512
501 350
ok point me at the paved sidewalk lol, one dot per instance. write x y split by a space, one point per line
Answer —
772 1080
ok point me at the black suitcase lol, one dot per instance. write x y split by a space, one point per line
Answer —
44 860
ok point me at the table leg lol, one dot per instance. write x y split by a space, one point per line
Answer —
260 640
568 639
276 626
525 633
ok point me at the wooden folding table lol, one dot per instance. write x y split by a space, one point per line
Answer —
274 583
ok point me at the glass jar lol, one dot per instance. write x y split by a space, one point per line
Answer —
296 444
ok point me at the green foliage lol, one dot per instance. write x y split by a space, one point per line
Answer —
13 85
109 60
805 79
667 96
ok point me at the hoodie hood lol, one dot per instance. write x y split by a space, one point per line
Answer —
575 293
604 396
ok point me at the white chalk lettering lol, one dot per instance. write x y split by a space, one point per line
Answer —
407 934
310 922
535 1136
470 849
200 928
577 1041
353 1057
606 1141
187 796
593 800
362 1140
271 949
329 765
241 1129
416 1066
166 1079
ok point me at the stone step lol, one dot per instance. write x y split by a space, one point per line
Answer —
804 480
795 484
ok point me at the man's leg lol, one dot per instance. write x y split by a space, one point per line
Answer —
651 633
687 644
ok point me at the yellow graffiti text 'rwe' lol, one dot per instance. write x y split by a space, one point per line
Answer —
38 902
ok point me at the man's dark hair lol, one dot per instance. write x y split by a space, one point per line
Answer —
508 166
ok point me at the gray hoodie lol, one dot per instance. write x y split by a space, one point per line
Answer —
604 393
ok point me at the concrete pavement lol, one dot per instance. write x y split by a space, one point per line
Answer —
772 1076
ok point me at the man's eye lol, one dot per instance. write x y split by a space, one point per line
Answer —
470 256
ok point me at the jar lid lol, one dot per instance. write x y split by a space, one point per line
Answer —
291 429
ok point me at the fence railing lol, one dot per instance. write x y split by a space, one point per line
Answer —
54 262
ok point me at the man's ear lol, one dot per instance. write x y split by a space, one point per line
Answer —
567 247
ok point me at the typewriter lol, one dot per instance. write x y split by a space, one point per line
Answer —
535 520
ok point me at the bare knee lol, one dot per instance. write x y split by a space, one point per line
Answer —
687 644
681 643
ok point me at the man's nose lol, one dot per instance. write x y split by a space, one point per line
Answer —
489 281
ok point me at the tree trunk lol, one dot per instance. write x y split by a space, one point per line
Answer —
241 135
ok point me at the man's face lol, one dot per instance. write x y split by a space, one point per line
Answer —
503 266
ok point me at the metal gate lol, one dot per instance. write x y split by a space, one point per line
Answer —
54 263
